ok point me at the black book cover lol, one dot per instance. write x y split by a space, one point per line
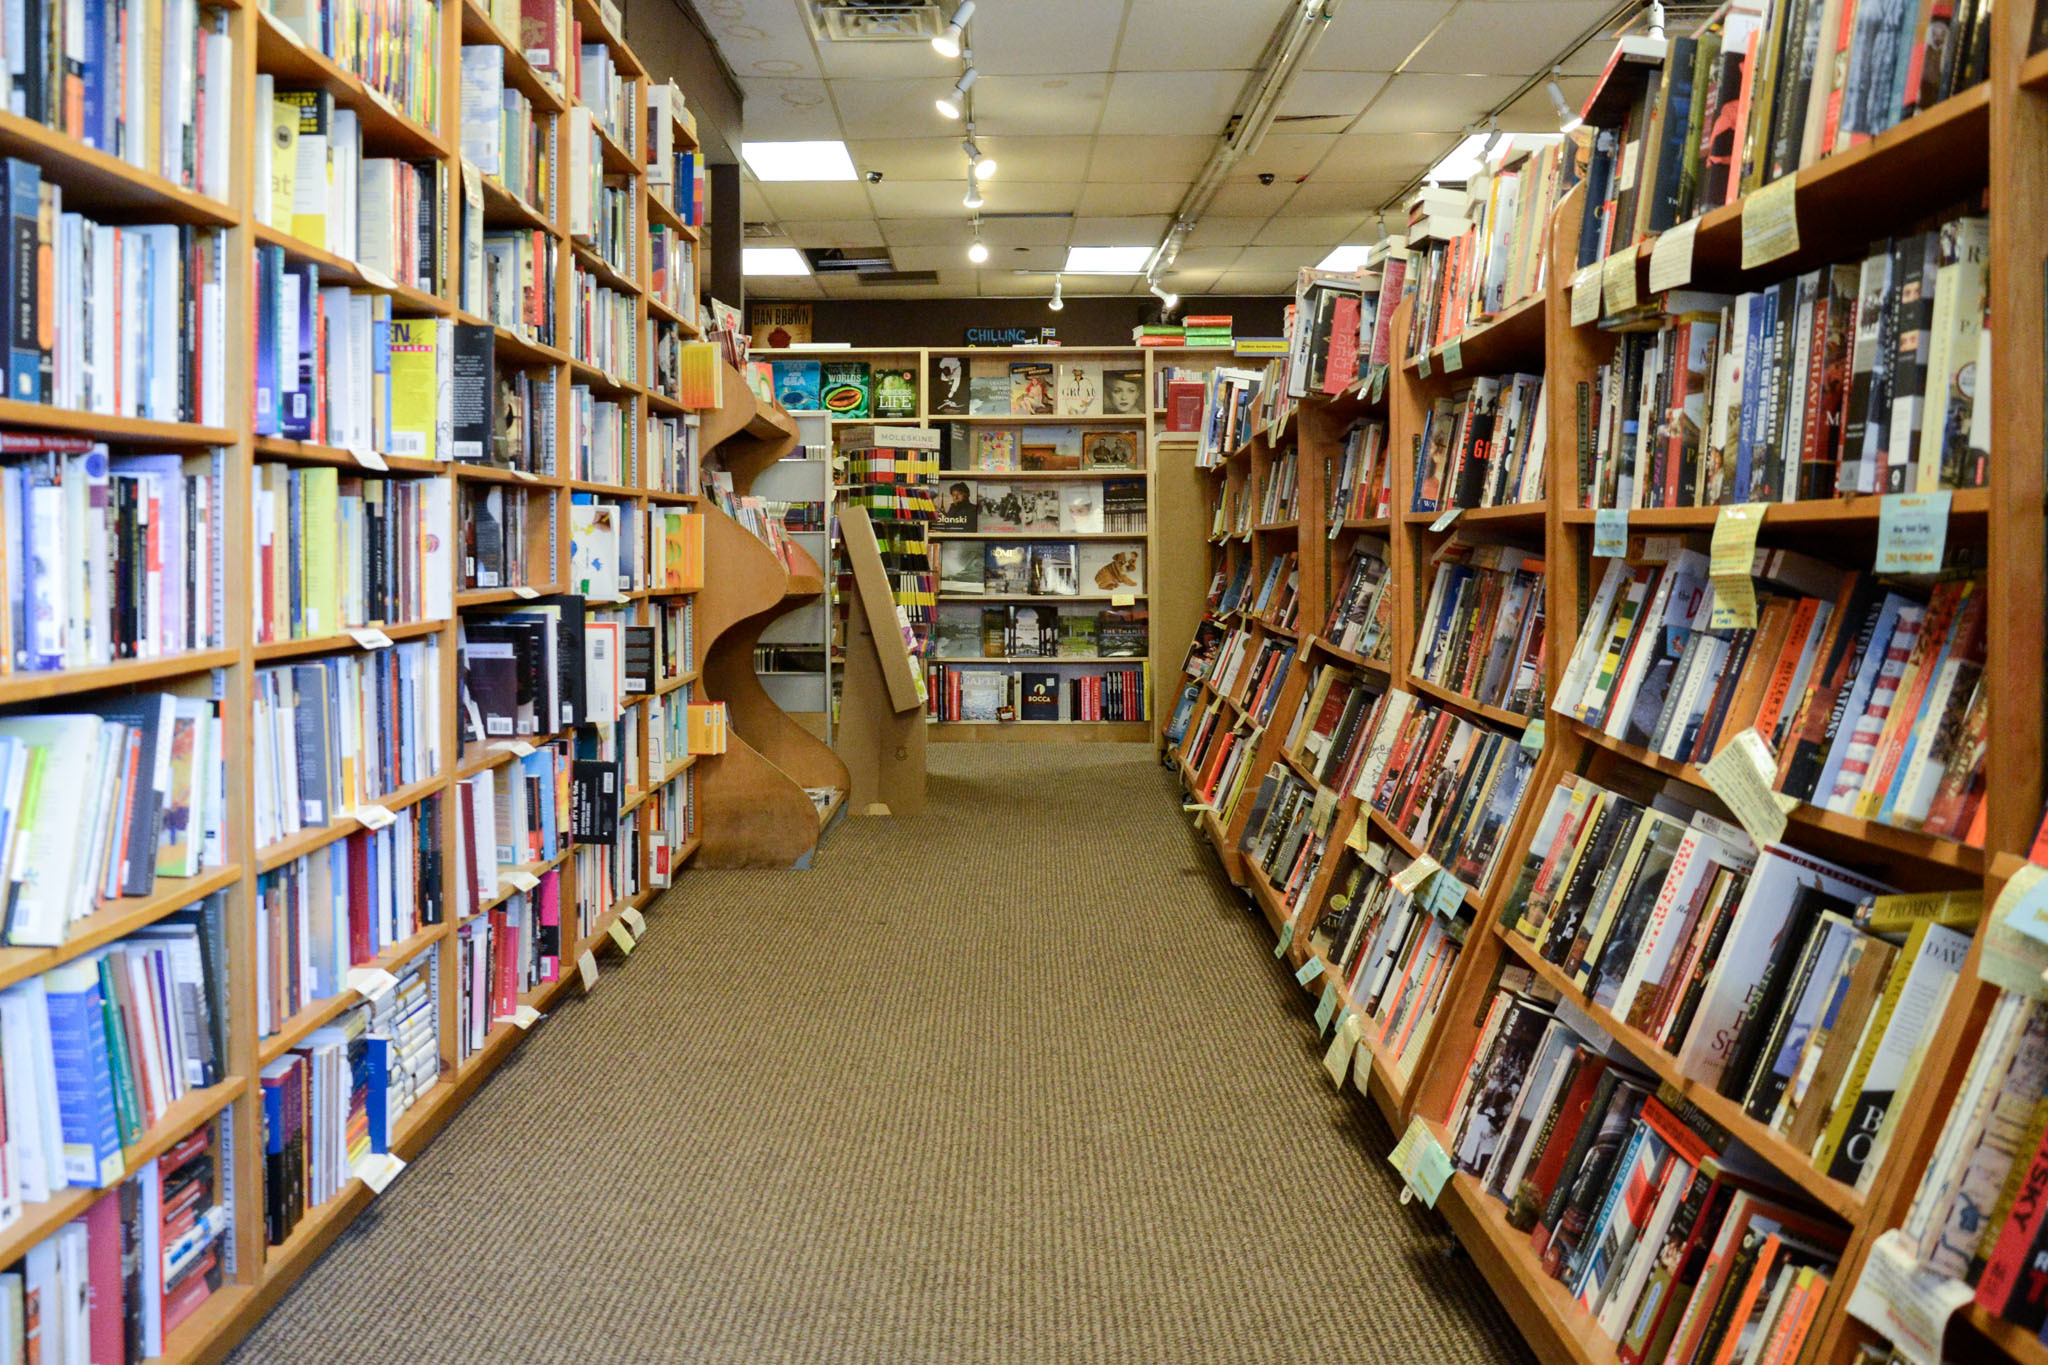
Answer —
1767 995
639 660
594 800
475 383
1041 696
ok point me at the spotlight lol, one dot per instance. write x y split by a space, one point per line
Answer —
1164 295
951 105
1057 302
947 44
984 166
973 199
1567 120
977 253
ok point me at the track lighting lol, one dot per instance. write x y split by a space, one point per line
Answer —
977 253
951 105
973 199
1567 120
984 166
1165 296
1496 139
1057 302
947 44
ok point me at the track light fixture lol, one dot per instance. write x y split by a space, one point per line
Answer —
947 44
973 199
1568 120
1496 139
977 253
1057 302
984 166
1165 296
952 104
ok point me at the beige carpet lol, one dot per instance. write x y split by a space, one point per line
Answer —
1015 1081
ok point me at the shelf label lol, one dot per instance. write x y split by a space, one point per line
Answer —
1909 1305
635 921
1728 566
1309 970
1912 532
372 276
367 458
622 936
1532 738
1123 599
1286 935
525 592
523 1018
1610 532
1741 775
586 967
1422 1161
1343 1044
370 982
1454 355
2014 953
525 476
1358 837
377 1170
1379 384
1445 518
1770 222
1446 896
1327 1007
1586 295
523 880
1618 281
1422 363
369 637
513 746
373 816
1671 257
1415 874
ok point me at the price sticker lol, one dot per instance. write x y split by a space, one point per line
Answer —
1123 599
523 1018
1610 532
513 746
525 476
1343 1045
1912 532
1741 775
1618 281
523 881
377 1170
369 637
1422 364
1732 554
1532 738
372 276
370 982
1286 935
1327 1007
586 967
1415 874
526 593
1422 1162
373 816
368 458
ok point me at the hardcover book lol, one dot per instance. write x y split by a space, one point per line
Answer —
844 388
958 509
895 392
949 386
1031 389
1123 392
1110 450
1080 388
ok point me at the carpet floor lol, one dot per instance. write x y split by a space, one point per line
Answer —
1016 1080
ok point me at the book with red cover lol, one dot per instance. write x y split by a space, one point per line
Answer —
1184 405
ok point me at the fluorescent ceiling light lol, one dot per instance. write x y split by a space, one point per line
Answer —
1107 260
798 160
1462 162
773 260
1345 258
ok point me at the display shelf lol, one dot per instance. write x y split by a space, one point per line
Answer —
288 451
1967 506
310 646
1512 338
97 183
110 428
116 919
24 687
406 301
1509 719
275 855
520 74
503 208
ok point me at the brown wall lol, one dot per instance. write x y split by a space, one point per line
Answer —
670 40
1083 322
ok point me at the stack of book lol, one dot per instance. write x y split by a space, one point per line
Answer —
1483 446
1208 330
1479 251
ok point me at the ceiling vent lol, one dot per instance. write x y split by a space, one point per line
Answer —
836 260
899 277
876 21
756 232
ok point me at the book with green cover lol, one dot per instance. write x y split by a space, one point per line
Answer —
895 392
847 389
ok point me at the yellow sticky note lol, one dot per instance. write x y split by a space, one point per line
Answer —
1415 874
1586 295
1732 555
1770 222
1123 599
1671 257
1618 281
622 936
1337 1057
586 967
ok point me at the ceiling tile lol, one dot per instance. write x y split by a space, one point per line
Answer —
789 111
1373 156
1278 258
1285 156
1146 231
1220 231
784 287
807 199
1097 284
753 208
1192 281
910 158
1331 94
1171 101
1256 282
1207 257
1432 103
1342 197
941 198
832 231
888 109
1240 199
1047 231
881 61
1303 230
1150 158
1197 35
927 231
1375 35
757 38
1030 159
1504 38
1533 112
1044 37
1039 105
1122 198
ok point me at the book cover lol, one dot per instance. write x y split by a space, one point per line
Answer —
994 450
1000 509
844 388
988 389
960 566
1038 506
1032 389
1080 392
1123 392
1081 509
798 384
949 386
1110 450
959 510
895 392
1006 568
1041 696
1052 570
1112 570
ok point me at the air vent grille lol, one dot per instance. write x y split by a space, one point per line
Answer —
875 21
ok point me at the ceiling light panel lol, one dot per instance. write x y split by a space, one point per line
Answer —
772 260
798 160
1107 260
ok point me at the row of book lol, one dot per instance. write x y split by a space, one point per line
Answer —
1481 632
1075 506
501 137
606 93
1326 737
1242 665
535 670
1030 630
508 277
1867 694
1340 326
332 734
114 1282
603 322
332 551
1362 484
99 1049
846 388
108 557
1854 378
166 282
1230 403
600 437
394 46
1631 1198
383 213
976 693
1475 252
496 548
1041 568
1754 968
1483 446
1279 488
1760 89
1212 330
1361 620
340 907
502 955
1393 952
672 453
602 217
100 803
672 272
1287 833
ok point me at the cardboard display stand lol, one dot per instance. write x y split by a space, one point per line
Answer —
881 734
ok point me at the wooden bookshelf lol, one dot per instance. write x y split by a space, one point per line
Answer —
105 186
1994 136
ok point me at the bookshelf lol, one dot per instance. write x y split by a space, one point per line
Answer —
422 126
1991 139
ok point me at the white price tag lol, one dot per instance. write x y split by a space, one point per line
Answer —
1454 355
1671 257
524 881
372 276
370 982
1413 875
513 746
378 1170
1618 281
586 967
367 458
369 637
525 476
636 921
1586 295
1445 518
526 593
1741 775
526 1016
373 816
1912 532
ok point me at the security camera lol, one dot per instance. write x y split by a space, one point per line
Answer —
1265 177
874 177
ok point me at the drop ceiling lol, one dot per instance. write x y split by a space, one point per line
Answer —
1100 113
